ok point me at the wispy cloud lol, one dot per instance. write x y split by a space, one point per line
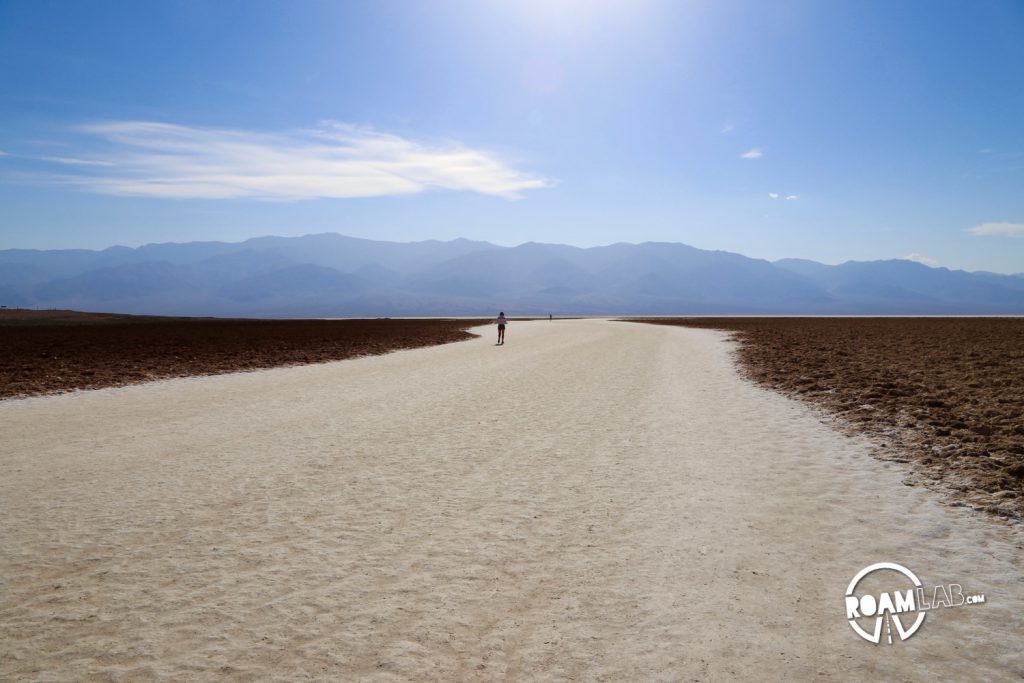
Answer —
773 195
71 161
921 258
727 128
791 197
1004 229
332 160
754 153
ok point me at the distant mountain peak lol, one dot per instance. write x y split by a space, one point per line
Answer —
329 274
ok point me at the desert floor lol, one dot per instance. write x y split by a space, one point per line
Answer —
944 394
45 352
595 500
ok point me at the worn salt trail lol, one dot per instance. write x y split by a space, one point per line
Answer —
593 500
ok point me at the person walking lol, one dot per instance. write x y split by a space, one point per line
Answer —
501 321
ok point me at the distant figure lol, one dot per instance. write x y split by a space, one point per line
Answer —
501 327
550 318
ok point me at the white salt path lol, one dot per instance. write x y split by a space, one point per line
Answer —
595 500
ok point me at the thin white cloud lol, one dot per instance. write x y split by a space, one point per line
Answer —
922 259
1004 229
333 160
773 195
71 161
754 153
791 197
727 128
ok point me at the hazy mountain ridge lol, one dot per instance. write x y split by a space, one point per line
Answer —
334 275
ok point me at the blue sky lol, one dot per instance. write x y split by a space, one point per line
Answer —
826 130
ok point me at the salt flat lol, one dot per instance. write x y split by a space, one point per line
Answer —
595 500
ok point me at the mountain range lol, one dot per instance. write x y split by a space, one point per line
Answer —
331 275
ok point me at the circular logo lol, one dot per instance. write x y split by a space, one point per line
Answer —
890 607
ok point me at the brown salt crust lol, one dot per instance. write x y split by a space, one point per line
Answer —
47 352
943 395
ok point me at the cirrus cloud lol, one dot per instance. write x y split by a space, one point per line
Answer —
332 160
754 153
1005 229
72 161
